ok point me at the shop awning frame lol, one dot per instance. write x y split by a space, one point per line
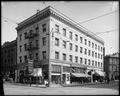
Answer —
80 75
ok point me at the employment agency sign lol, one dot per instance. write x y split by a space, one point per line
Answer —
30 66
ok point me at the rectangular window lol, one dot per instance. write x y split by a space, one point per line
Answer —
20 37
44 54
56 28
98 55
44 27
71 46
56 55
101 49
85 51
70 35
98 48
89 52
76 59
81 49
89 62
56 41
101 56
89 43
95 55
30 56
37 30
64 56
76 48
85 61
95 46
25 35
85 41
92 62
92 53
101 65
20 48
25 58
81 60
98 64
64 32
92 45
76 37
25 47
44 41
95 63
64 44
70 58
36 56
81 39
20 58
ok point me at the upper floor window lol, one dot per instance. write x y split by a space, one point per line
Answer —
44 41
101 65
101 49
20 58
98 55
98 48
89 62
70 46
56 55
64 56
25 58
92 45
70 35
56 28
56 41
20 48
70 58
85 51
85 41
25 47
95 54
25 35
44 27
89 52
92 53
64 31
20 37
81 60
36 56
44 54
92 62
37 29
81 49
64 44
89 43
85 61
81 39
76 59
95 63
76 37
95 46
76 48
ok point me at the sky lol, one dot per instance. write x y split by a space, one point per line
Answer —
79 11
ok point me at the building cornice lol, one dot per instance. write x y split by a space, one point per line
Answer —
50 11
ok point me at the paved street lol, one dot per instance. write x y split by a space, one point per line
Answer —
101 89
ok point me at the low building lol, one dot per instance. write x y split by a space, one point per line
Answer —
111 63
9 57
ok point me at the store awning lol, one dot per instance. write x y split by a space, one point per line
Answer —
100 73
80 75
37 72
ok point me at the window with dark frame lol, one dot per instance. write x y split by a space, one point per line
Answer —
56 41
70 35
70 58
44 28
64 32
56 55
56 28
44 41
44 54
64 56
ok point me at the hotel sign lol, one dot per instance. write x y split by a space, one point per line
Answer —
30 66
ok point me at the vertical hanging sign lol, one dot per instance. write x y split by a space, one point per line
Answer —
30 66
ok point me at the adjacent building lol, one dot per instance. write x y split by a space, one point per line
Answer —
9 57
59 46
111 63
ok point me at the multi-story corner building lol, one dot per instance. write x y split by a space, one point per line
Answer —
9 57
111 63
59 46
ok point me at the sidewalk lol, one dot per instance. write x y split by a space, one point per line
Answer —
32 85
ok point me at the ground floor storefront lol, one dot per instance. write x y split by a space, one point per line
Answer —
58 73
